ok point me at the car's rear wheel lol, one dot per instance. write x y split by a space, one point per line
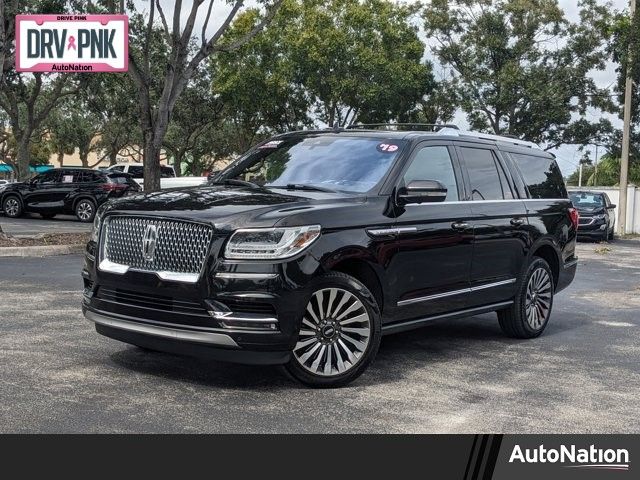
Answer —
12 206
339 335
85 210
530 312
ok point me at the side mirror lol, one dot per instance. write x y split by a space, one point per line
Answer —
613 205
422 191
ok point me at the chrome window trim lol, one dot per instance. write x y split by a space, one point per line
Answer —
455 292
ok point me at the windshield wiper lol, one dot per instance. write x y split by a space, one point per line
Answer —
302 186
236 182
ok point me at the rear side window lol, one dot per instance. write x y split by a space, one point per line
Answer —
87 176
541 175
167 172
485 175
122 179
135 171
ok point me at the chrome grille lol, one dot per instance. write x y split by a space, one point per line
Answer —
181 247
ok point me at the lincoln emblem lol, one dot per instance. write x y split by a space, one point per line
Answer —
149 240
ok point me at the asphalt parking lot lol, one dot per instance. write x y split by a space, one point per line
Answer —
33 224
582 375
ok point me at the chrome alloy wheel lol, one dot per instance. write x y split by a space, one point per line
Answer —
84 211
538 302
335 333
12 207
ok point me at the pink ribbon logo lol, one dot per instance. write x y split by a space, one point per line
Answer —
72 43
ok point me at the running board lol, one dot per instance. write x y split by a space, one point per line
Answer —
411 324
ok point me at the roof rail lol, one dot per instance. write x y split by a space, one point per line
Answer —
432 127
446 129
500 138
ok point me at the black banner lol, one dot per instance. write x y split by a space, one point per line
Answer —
459 457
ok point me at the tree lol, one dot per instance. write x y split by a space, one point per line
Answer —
624 38
256 82
196 111
157 95
359 61
27 99
112 100
521 68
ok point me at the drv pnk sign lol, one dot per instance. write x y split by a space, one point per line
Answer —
72 43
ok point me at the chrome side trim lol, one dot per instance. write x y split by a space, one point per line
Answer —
410 324
164 332
454 292
494 284
383 232
246 275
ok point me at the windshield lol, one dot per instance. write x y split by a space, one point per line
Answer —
332 162
587 200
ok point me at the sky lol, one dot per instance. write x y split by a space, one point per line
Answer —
567 155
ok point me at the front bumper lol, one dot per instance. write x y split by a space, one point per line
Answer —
206 345
237 311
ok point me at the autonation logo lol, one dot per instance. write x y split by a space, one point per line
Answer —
574 457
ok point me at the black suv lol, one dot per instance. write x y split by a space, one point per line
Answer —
597 217
75 191
314 244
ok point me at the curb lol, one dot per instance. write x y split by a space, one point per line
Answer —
41 251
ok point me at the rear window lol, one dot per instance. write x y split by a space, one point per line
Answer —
541 175
137 171
588 200
122 179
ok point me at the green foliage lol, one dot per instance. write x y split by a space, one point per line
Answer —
333 62
607 175
520 68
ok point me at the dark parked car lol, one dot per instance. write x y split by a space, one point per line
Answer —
597 215
313 245
74 191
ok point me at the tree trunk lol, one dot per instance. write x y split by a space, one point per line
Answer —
113 157
84 158
23 158
61 158
151 160
177 163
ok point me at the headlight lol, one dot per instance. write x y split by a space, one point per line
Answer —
97 221
270 243
601 216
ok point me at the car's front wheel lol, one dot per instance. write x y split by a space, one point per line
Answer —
12 206
85 210
339 335
531 309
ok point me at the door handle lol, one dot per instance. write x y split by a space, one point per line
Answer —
460 226
517 222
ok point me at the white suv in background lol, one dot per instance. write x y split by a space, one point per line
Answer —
168 177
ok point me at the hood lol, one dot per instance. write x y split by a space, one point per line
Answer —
226 207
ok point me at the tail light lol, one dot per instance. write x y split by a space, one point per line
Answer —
574 216
113 187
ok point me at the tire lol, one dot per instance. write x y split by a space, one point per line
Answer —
521 320
338 303
12 206
48 216
85 210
